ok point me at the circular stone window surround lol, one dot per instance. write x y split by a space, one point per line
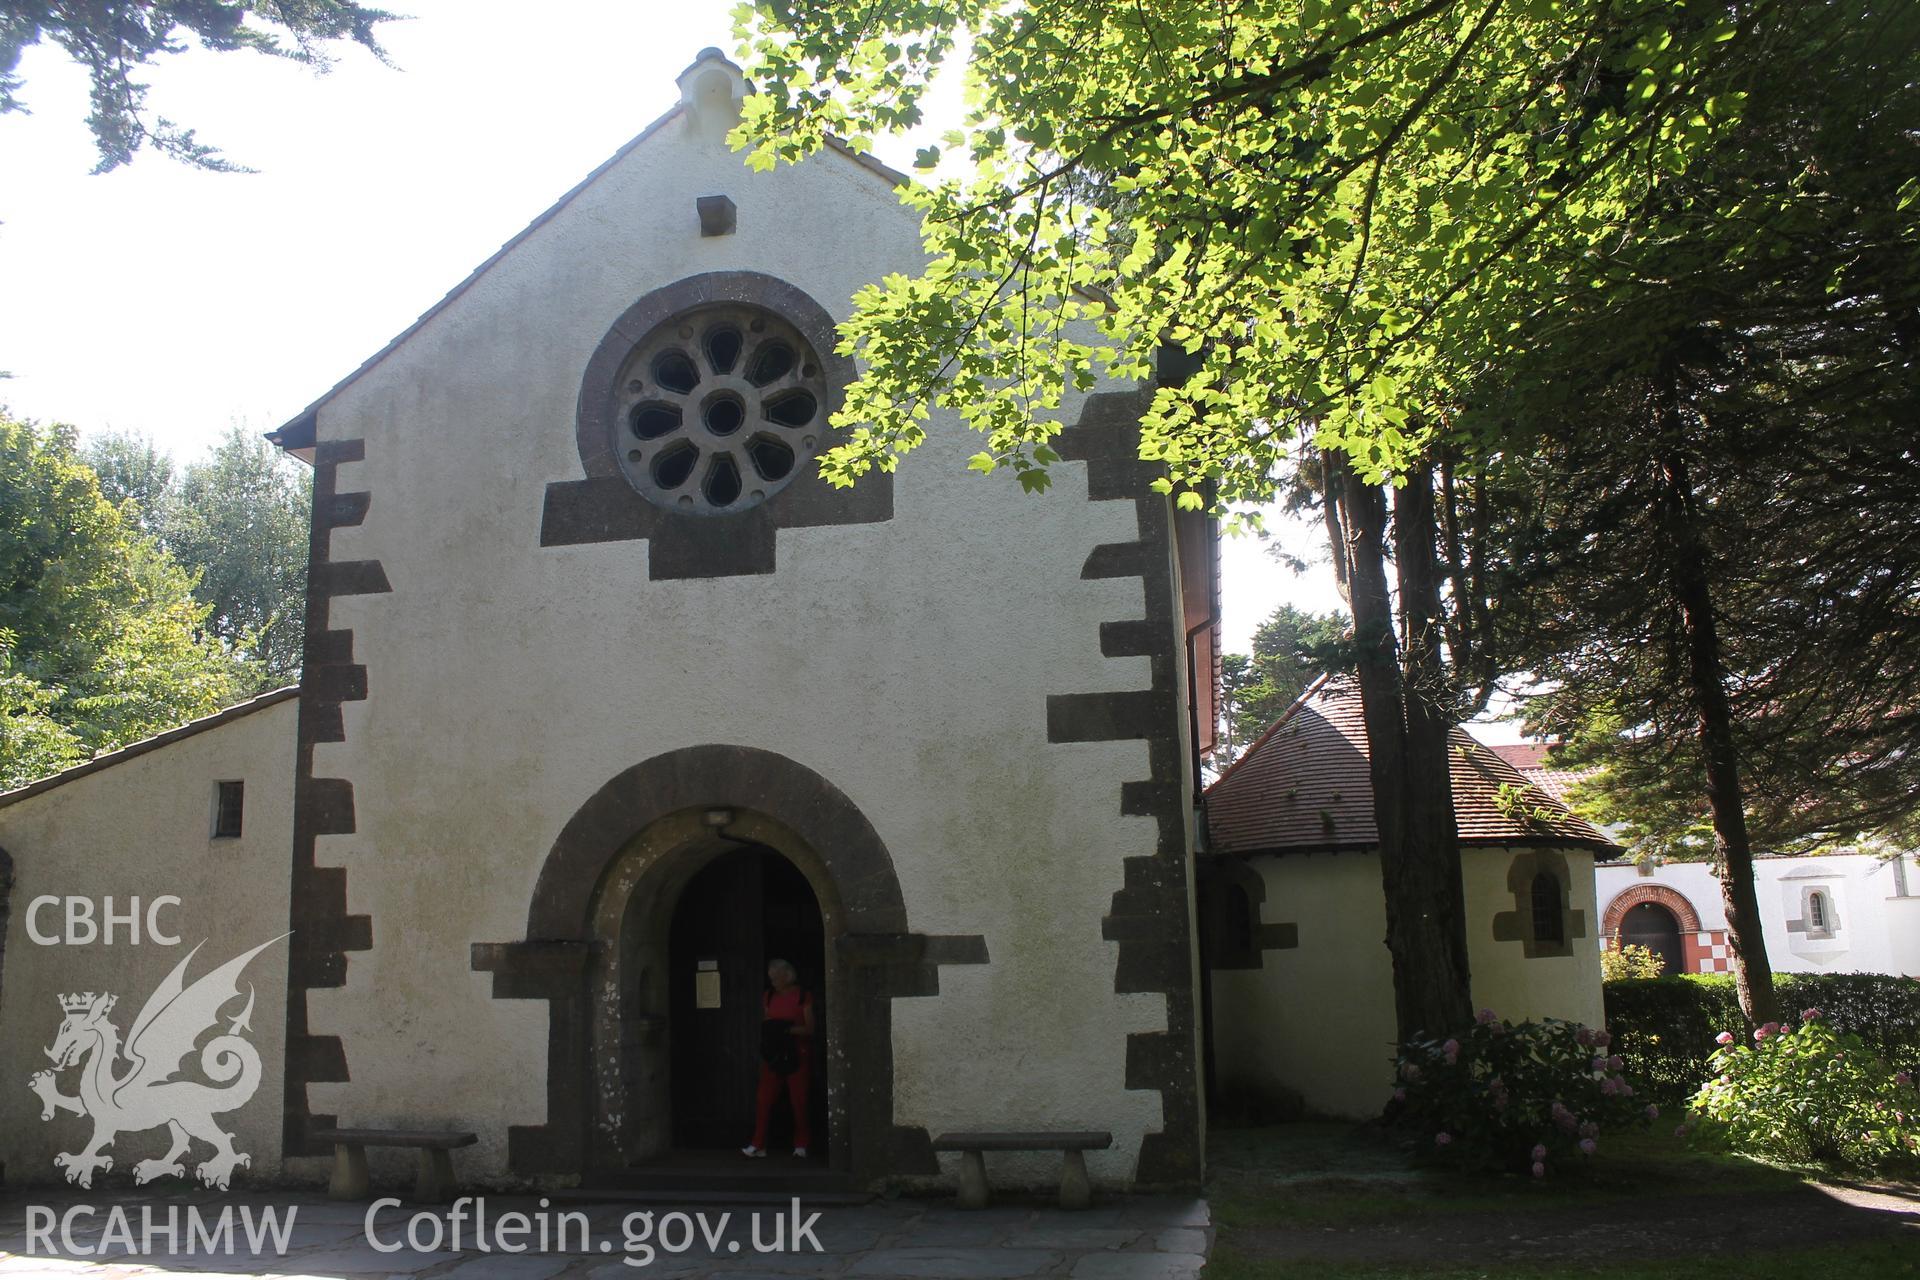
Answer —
601 428
720 409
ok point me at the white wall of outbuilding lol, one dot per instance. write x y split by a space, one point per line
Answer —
142 830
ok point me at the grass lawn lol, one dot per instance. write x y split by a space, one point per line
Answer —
1332 1200
1871 1261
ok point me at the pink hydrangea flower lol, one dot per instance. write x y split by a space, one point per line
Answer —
1442 1139
1903 1077
1584 1037
1616 1063
1809 1015
1409 1071
1653 1111
1602 1038
1451 1050
1539 1151
1400 1095
1588 1146
1725 1037
1486 1017
1682 1130
1539 1169
1761 1033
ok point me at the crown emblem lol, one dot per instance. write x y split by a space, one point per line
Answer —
81 1001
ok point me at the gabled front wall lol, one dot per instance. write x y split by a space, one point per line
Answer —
929 665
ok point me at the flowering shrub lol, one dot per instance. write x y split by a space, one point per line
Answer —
1664 1027
1516 1095
1619 962
1811 1093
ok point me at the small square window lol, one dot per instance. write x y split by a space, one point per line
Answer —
229 800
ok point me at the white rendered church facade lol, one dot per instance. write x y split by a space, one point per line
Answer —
608 699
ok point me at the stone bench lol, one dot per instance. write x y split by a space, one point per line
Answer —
349 1180
1075 1191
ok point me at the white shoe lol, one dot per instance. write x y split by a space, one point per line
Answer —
800 1153
753 1152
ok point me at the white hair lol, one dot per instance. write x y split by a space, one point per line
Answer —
783 967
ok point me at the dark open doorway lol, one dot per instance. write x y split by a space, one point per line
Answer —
1652 926
746 907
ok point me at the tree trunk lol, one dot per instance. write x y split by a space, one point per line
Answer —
1421 886
1433 836
1753 975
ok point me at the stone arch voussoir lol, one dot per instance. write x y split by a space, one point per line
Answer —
1663 895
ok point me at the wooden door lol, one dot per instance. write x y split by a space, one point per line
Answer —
746 907
717 975
1650 925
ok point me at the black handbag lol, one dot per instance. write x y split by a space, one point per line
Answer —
779 1047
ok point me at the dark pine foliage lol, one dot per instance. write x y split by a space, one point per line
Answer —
113 40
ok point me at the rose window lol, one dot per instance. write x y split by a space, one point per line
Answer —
719 409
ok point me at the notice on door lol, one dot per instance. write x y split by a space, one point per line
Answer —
706 985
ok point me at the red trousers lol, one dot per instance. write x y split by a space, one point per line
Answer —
798 1086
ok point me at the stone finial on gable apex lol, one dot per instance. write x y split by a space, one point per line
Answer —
711 90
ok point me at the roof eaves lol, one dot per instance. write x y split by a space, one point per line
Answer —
121 754
866 161
300 429
1545 841
1288 850
1270 730
298 434
898 179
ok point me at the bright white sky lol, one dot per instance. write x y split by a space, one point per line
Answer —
173 302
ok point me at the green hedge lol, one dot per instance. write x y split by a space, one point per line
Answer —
1665 1027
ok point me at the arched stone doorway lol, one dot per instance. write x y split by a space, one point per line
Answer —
1661 928
621 863
686 919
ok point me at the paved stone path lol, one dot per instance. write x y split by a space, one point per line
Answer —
1123 1238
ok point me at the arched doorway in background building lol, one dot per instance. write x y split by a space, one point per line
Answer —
1650 925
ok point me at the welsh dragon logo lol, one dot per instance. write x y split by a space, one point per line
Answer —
147 1093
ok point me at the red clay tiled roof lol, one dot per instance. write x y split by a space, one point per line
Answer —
1303 785
1523 755
1530 758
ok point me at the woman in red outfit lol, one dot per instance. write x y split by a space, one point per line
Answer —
788 1006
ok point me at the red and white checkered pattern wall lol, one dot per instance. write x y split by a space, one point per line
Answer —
1707 952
